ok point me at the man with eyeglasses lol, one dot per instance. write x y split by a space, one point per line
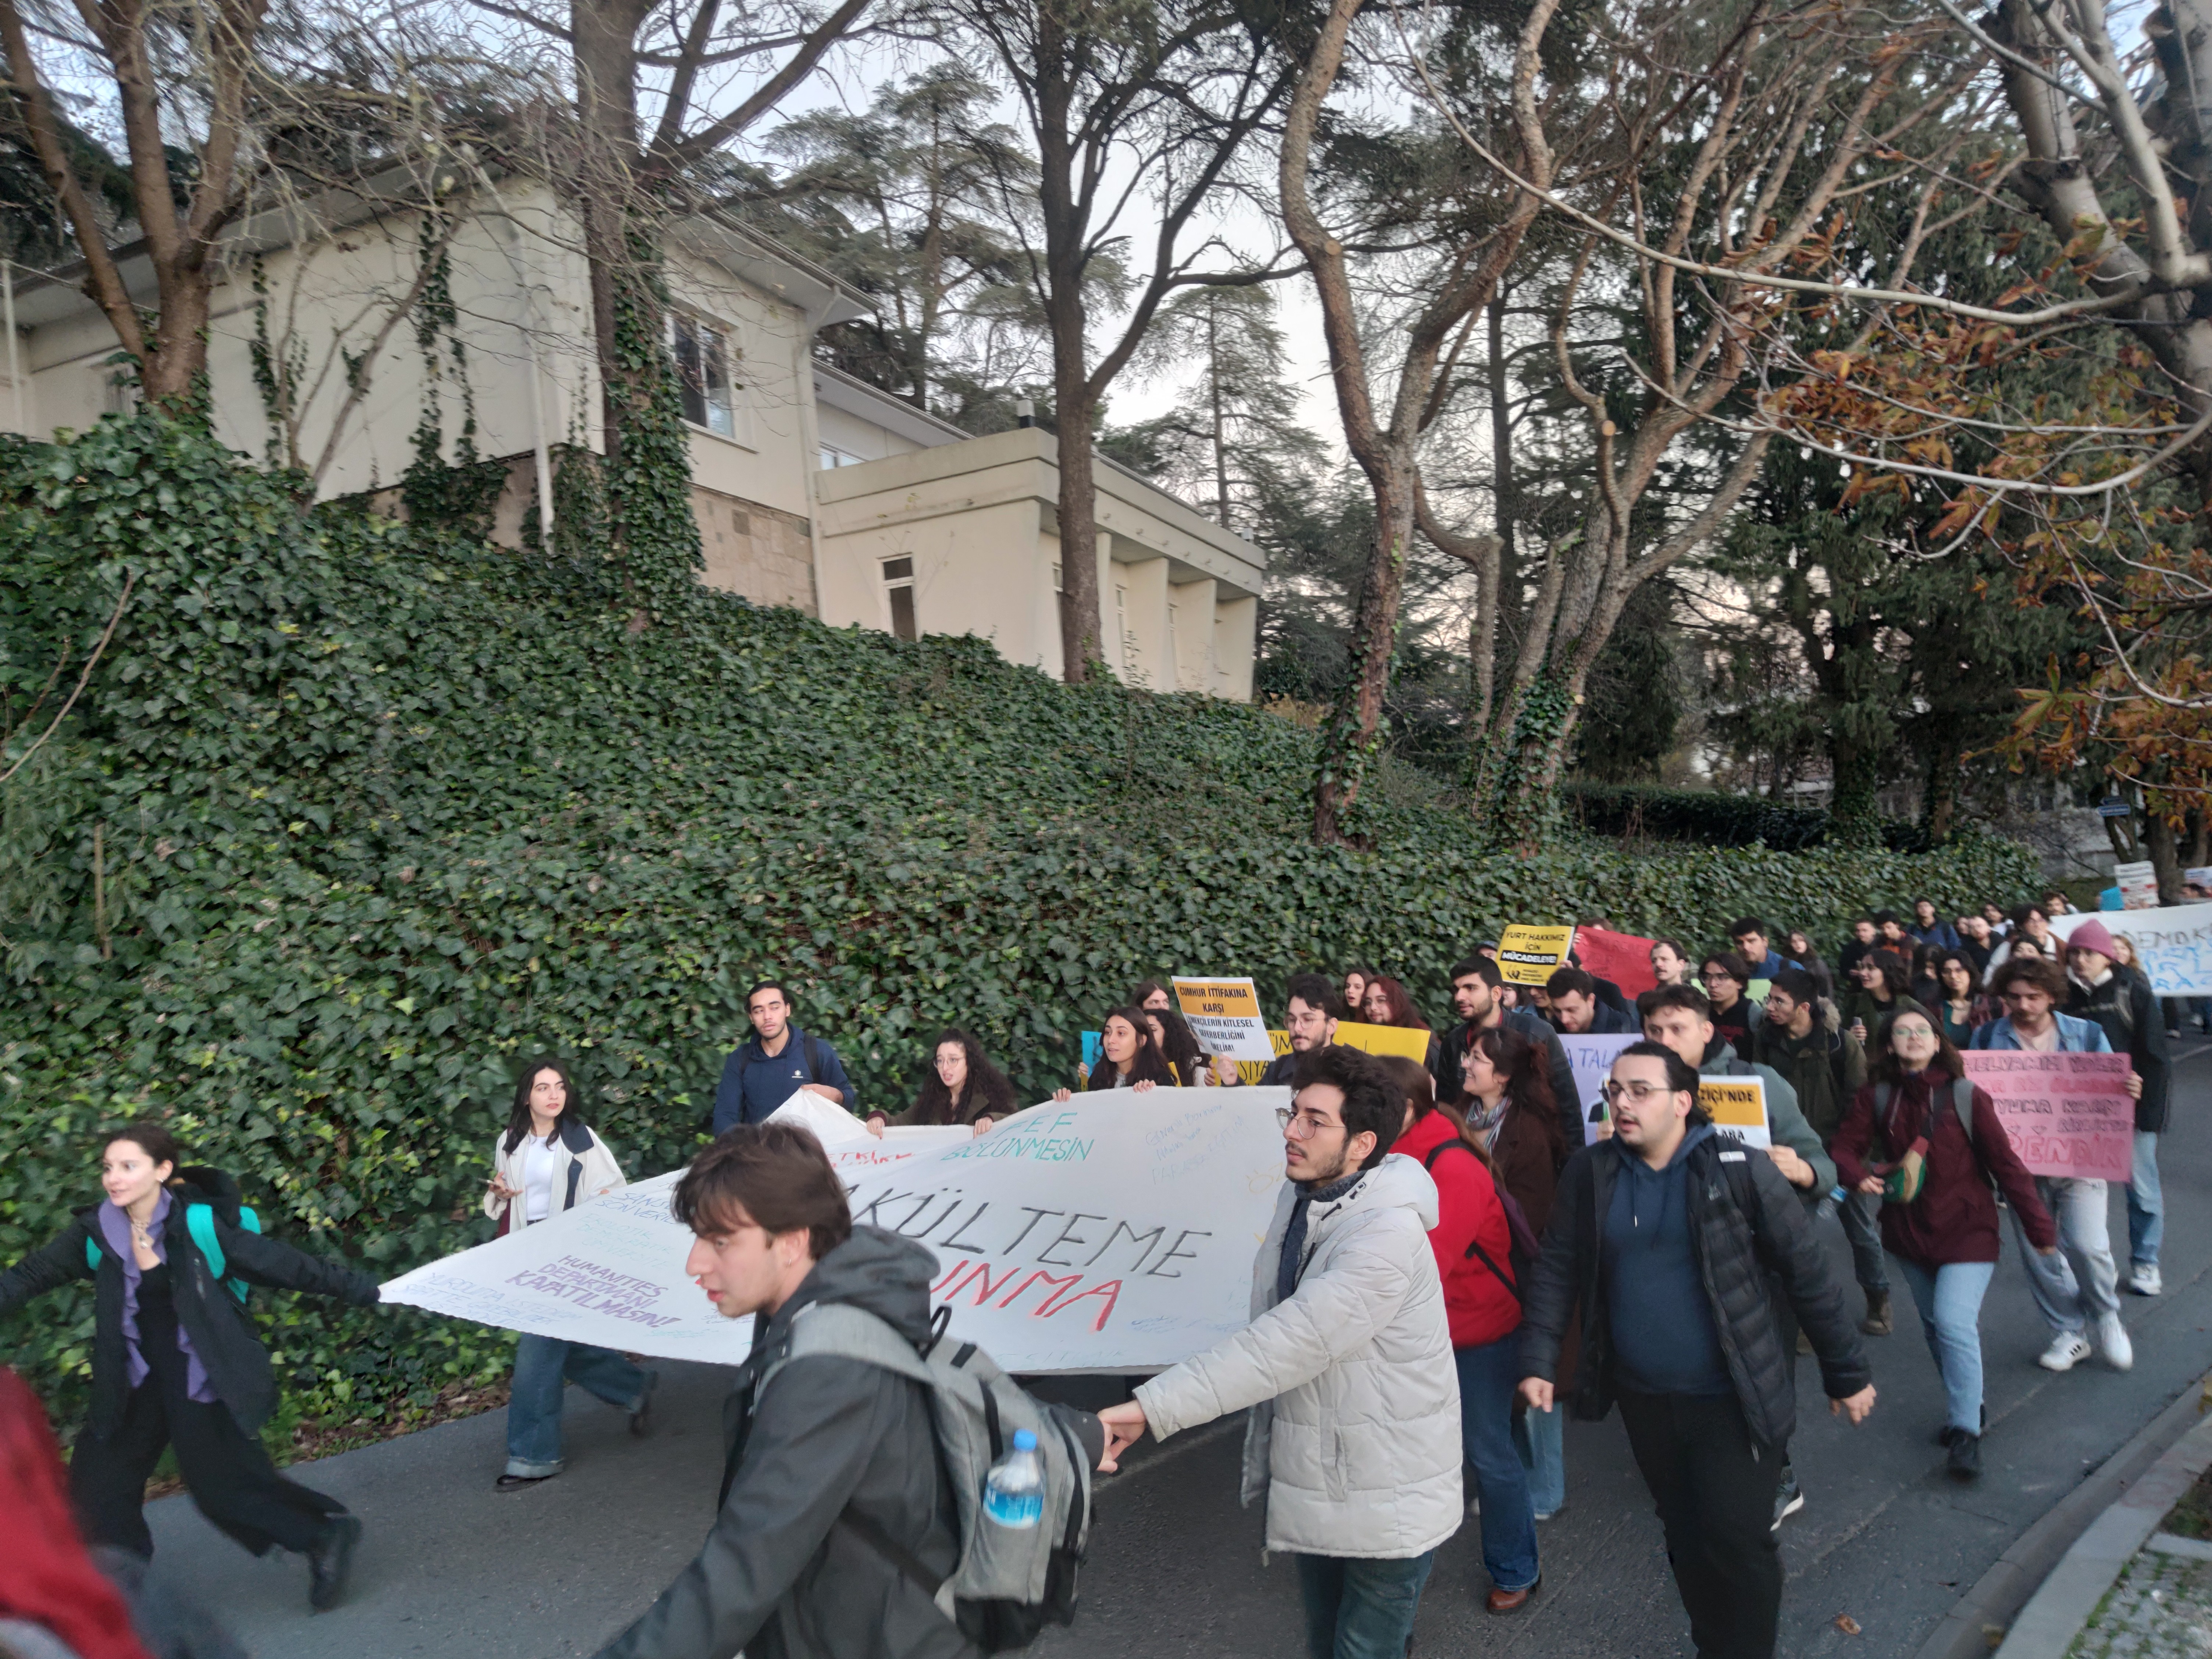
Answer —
1310 1023
1346 1365
2077 1288
1664 1235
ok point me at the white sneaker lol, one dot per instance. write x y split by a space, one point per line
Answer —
2068 1349
2145 1280
2113 1340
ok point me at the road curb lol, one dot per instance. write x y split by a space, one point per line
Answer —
2038 1585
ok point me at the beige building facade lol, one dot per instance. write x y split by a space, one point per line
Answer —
812 489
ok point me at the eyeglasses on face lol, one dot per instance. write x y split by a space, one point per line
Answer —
1638 1092
1303 1126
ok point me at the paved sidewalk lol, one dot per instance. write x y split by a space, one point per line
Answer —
2161 1608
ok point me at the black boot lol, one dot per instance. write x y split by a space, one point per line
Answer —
330 1561
1877 1321
1965 1460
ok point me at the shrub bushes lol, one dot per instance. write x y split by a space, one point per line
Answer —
351 818
1611 809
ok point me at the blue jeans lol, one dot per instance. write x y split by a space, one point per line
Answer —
543 1365
1361 1609
2146 1203
1539 1439
1487 1377
1950 1303
2081 1283
1861 1215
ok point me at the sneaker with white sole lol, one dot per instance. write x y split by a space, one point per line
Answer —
2068 1349
2113 1342
2144 1280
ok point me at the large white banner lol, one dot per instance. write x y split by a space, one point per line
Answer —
1114 1233
2175 943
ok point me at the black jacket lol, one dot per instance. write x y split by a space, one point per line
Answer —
1735 1253
777 1577
223 1332
2125 1005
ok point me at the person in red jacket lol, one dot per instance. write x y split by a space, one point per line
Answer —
1473 1245
1946 1237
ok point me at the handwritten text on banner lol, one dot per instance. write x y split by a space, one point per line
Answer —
2067 1115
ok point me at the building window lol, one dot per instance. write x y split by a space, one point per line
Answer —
898 588
702 371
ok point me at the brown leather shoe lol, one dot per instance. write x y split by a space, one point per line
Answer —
1504 1600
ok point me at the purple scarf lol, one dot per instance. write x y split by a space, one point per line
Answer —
115 1229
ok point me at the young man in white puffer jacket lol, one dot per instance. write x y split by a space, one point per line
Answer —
1346 1365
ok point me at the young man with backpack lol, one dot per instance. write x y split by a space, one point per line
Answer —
1664 1235
2077 1289
855 1446
775 1063
1348 1368
1679 1016
2121 1001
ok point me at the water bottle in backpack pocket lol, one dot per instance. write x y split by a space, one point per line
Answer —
1013 1491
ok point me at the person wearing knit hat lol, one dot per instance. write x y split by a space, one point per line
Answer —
2122 1001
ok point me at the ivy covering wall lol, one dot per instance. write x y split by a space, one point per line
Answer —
352 816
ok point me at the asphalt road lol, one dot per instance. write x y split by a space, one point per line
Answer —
450 1569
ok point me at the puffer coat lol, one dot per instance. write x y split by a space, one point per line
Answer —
1738 1247
1354 1438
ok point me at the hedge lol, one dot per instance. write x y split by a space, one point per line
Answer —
378 813
1716 820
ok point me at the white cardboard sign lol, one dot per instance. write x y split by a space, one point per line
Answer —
1114 1233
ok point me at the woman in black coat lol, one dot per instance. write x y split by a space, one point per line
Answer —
176 1361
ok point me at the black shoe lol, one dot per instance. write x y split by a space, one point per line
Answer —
519 1482
1943 1434
643 1409
1965 1460
330 1561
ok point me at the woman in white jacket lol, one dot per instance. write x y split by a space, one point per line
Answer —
1347 1366
547 1160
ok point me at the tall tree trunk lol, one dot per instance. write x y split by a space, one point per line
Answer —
1853 810
1356 732
2165 858
1507 493
1067 317
1220 425
1940 805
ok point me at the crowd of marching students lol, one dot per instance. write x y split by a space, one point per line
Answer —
1557 1280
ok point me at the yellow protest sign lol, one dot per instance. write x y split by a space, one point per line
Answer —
1223 1015
1385 1040
1737 1106
1530 955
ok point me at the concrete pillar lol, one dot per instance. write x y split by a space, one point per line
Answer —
1235 640
1190 630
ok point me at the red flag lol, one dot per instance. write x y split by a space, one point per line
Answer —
1621 957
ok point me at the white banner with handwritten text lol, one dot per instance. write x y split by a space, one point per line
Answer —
1114 1233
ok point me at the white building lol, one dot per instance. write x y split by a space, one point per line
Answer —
812 489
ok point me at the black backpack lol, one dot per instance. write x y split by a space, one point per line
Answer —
1525 1248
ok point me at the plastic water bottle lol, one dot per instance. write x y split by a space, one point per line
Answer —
1013 1491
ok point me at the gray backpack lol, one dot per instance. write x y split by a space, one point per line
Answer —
1009 1584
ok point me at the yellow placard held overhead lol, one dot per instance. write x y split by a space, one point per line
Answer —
1385 1040
1530 955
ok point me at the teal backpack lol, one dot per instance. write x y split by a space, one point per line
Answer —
199 1221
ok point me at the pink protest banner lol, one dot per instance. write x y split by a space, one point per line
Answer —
2068 1114
1621 957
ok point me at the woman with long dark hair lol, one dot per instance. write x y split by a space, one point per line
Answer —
1885 987
1127 1057
1512 1117
547 1160
1800 949
1474 1246
962 1087
176 1362
1930 1143
1960 1002
1390 1003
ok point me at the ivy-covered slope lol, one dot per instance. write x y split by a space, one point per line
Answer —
350 817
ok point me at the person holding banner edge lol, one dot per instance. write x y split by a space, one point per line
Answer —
2077 1289
774 1063
1354 1439
545 1161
